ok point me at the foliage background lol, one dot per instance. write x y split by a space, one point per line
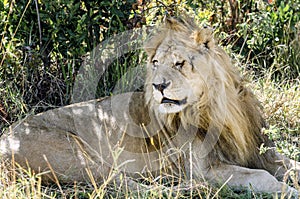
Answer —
43 44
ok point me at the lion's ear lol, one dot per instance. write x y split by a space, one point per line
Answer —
204 36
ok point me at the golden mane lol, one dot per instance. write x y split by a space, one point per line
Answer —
225 106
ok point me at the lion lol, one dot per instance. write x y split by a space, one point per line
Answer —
195 120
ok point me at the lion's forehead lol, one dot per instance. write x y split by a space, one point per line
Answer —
170 53
166 57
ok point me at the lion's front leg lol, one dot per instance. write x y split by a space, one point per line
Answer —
254 179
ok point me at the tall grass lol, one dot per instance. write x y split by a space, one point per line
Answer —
18 182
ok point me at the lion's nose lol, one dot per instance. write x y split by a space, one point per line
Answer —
161 87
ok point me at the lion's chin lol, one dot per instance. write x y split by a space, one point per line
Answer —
170 108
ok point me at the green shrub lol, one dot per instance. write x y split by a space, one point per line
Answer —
271 37
43 44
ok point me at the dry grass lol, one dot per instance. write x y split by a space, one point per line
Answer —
281 102
22 183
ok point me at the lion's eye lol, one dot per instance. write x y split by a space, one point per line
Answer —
178 65
155 63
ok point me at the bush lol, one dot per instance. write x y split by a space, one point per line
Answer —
43 45
271 37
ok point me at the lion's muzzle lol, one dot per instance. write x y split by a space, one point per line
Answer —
171 101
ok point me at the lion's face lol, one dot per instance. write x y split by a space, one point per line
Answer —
174 78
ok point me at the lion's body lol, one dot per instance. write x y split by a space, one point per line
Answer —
197 120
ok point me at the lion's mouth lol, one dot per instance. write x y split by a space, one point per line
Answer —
171 101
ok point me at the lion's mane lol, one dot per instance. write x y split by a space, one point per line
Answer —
226 104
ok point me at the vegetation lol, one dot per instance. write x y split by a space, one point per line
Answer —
44 44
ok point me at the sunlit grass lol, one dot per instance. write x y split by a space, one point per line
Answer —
22 183
281 102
